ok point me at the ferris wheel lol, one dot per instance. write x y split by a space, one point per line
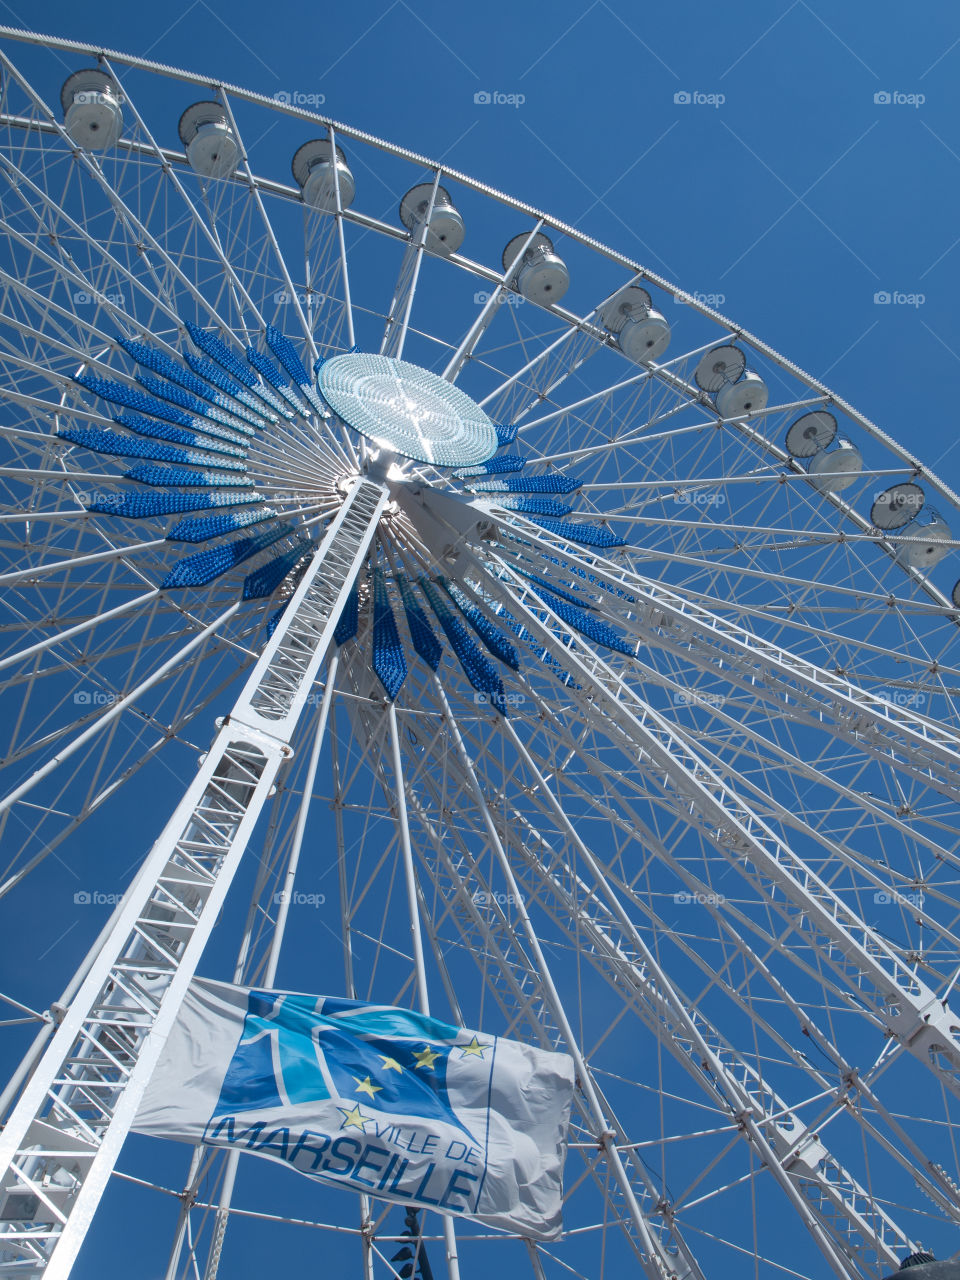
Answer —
409 598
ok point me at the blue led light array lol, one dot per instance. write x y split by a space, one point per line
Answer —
204 528
494 640
137 506
425 642
264 581
589 626
197 570
389 662
478 669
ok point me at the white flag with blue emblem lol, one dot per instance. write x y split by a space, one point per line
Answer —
379 1099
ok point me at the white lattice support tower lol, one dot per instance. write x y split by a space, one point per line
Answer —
64 1135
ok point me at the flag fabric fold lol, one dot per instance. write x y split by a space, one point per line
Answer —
370 1097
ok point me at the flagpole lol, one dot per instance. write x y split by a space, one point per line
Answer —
273 955
416 937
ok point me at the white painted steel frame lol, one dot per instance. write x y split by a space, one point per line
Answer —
93 1073
776 660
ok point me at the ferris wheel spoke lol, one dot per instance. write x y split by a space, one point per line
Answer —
468 344
457 882
338 217
405 290
522 1005
629 968
613 805
116 709
604 395
494 400
111 272
68 274
862 958
596 1111
635 584
139 755
814 695
269 232
814 594
694 1043
135 232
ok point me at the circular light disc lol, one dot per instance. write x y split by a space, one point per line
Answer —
401 407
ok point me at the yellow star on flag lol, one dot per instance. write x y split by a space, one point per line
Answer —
474 1049
426 1058
354 1119
390 1064
367 1086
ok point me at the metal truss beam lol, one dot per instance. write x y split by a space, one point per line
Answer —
63 1137
795 688
878 981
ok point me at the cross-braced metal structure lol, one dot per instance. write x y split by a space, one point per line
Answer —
610 706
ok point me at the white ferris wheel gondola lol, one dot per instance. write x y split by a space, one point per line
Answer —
607 704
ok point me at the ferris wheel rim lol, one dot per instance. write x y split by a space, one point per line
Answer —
556 544
643 273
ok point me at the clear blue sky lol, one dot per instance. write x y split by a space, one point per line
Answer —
815 166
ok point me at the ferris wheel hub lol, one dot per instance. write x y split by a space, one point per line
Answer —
406 410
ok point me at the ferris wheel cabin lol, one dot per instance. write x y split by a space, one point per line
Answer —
91 109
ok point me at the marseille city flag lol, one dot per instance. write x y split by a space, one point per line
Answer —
371 1097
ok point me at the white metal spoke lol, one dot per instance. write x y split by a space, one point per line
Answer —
638 738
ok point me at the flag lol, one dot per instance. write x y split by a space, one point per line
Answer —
379 1099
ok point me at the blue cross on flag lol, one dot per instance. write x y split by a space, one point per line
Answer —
386 1101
